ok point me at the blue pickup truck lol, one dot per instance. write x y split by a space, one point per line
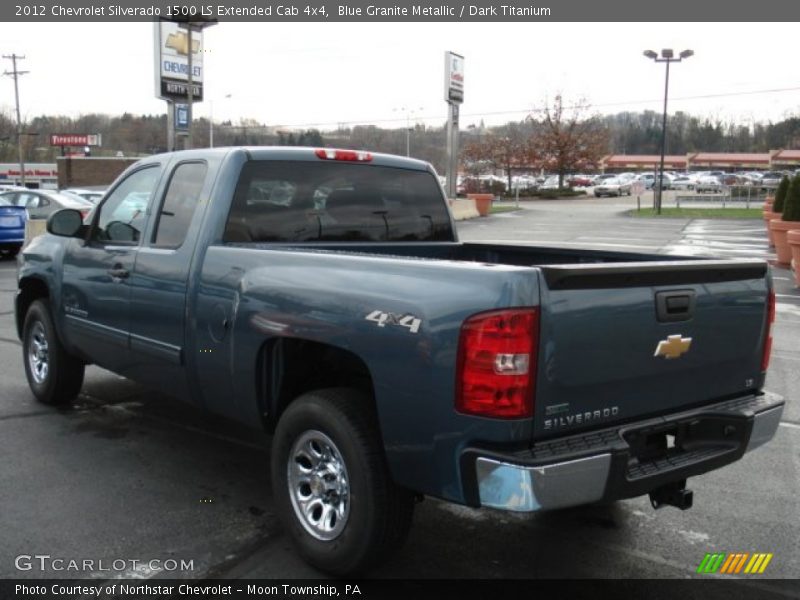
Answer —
323 296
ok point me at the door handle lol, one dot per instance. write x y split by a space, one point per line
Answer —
118 272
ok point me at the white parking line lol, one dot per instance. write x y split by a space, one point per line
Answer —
789 425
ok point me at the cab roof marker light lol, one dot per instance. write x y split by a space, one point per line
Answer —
346 155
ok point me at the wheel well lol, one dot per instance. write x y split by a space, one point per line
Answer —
289 367
30 289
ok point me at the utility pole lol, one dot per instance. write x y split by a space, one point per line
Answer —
15 74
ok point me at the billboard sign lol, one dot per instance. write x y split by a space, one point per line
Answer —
76 139
453 77
172 61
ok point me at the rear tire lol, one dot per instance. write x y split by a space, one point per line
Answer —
54 376
332 485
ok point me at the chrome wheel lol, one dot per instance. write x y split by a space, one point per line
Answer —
38 357
318 485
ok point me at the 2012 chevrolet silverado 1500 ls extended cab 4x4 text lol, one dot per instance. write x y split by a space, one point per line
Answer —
323 295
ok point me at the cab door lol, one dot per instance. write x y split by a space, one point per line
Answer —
159 283
96 290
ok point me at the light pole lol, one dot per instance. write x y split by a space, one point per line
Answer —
667 57
408 112
211 121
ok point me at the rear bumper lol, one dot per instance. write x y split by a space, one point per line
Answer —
624 462
12 237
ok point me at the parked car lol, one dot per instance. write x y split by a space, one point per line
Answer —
12 227
683 182
771 180
94 196
613 187
579 181
648 179
41 204
709 183
597 179
551 183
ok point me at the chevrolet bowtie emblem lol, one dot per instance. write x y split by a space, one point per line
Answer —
673 346
180 43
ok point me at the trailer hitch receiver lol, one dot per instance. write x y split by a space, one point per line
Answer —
672 494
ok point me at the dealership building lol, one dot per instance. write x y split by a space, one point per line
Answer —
37 175
699 161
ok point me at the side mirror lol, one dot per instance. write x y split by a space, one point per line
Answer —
66 222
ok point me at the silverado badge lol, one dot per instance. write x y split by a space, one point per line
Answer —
673 346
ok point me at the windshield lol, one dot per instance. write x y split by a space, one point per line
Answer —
300 201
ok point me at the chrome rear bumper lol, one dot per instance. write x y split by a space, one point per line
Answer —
606 473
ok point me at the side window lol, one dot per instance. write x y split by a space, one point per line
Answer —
180 204
123 215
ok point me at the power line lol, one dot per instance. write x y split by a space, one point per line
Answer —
15 73
528 111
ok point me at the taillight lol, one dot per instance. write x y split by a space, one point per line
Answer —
352 155
768 338
496 370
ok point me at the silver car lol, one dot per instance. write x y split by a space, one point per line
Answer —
42 203
613 187
93 196
709 183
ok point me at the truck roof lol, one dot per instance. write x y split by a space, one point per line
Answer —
304 154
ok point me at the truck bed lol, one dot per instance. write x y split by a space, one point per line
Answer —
602 317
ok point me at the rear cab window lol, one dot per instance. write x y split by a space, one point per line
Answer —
301 201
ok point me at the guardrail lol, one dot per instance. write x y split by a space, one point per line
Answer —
728 194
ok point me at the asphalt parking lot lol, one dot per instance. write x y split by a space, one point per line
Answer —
129 474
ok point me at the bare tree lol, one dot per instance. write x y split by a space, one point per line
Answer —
568 138
506 149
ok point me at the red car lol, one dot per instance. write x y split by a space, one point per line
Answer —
579 181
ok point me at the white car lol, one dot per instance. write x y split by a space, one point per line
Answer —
551 183
93 196
683 183
708 183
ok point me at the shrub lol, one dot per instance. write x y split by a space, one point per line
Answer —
780 195
791 205
473 185
560 193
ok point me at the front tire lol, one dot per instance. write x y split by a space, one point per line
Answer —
54 376
332 485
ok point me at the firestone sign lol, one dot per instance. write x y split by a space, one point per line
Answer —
75 139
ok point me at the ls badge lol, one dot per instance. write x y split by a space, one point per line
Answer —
673 347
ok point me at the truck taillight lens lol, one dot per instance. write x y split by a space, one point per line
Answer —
768 338
497 364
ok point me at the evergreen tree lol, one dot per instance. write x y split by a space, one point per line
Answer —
780 195
791 207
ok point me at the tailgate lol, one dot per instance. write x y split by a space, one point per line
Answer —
631 340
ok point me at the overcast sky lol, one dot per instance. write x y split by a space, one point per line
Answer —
321 74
